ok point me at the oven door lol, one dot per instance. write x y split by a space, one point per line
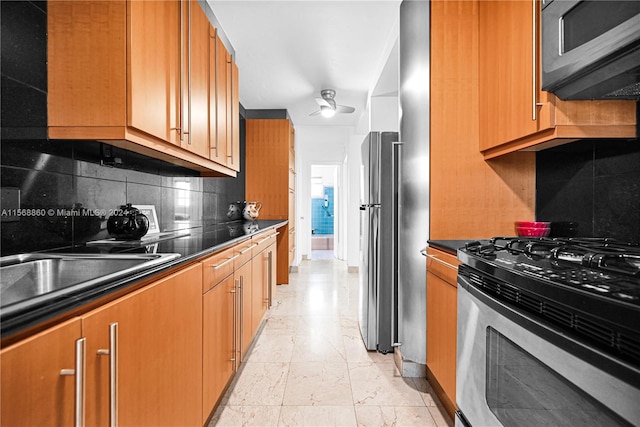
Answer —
514 370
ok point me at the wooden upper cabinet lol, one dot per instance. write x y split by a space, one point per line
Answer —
195 74
234 141
153 43
225 146
514 113
134 74
267 174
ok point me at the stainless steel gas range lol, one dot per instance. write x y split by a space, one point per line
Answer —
548 333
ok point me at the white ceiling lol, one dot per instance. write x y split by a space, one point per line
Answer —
287 51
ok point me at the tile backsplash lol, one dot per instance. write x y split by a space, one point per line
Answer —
55 176
593 182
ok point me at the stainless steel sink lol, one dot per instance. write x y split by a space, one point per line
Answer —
29 279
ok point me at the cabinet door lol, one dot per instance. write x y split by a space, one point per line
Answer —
441 332
509 72
234 141
159 354
260 293
273 262
219 151
154 59
245 332
219 351
196 72
33 391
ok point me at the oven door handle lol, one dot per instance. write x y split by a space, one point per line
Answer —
553 334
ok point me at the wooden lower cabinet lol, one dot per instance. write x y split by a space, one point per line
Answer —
159 354
158 348
260 290
33 392
245 333
177 344
219 361
442 312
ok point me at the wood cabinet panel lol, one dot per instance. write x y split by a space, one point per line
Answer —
270 159
196 72
259 291
80 38
218 341
159 354
234 148
267 178
32 392
469 197
514 112
245 333
217 267
221 78
442 313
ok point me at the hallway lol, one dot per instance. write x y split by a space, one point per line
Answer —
308 365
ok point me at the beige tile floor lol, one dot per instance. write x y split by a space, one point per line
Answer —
308 365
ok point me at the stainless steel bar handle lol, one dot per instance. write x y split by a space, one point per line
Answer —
270 279
264 240
534 57
112 352
215 101
234 291
241 315
244 251
79 373
438 260
181 119
188 131
227 261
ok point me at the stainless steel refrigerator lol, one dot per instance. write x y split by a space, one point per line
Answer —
378 246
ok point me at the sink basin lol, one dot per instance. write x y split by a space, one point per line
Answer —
28 279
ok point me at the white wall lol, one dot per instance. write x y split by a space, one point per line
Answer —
384 113
317 145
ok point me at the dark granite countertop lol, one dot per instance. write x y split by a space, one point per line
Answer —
450 246
196 244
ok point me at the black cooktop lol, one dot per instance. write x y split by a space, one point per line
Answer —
587 286
604 267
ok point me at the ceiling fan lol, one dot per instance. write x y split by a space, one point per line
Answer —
328 105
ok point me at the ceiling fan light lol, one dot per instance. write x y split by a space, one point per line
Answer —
327 111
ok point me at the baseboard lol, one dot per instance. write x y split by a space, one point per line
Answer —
353 269
408 368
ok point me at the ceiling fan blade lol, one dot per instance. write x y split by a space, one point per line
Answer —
344 109
322 102
315 113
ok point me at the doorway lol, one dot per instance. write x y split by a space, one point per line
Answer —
324 197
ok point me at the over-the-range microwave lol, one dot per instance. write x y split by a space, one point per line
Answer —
591 49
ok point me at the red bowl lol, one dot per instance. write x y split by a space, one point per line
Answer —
533 231
533 224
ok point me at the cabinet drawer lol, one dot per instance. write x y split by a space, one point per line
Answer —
217 267
262 241
244 252
443 265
